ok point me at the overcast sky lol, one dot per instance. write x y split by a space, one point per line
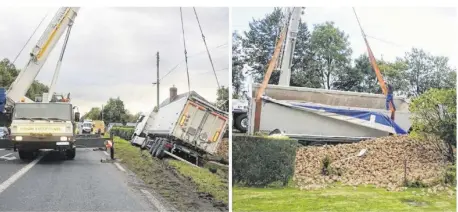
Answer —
400 29
112 52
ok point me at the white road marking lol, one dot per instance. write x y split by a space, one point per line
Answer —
18 174
106 153
120 167
153 200
2 149
5 157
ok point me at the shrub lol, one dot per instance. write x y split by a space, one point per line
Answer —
434 113
260 161
123 132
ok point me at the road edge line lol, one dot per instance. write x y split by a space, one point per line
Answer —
154 201
16 176
119 167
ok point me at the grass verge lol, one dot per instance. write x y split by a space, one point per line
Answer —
159 176
206 181
340 198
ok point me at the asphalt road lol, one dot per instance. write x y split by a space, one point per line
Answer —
83 184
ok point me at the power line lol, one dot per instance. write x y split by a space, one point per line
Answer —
204 72
206 47
385 41
222 69
185 52
368 36
176 66
33 33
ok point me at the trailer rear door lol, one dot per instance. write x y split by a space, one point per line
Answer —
200 126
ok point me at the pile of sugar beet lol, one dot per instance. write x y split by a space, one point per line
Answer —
386 162
223 149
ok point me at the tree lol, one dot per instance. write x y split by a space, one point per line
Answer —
434 112
222 100
426 71
331 51
114 111
93 114
395 73
129 117
237 66
259 43
8 74
359 78
349 79
304 72
135 117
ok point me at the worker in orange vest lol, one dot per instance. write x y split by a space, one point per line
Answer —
389 96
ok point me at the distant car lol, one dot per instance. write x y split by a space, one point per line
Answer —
4 132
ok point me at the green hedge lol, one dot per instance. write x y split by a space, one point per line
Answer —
123 132
260 161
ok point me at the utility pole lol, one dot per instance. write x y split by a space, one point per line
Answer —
157 82
102 112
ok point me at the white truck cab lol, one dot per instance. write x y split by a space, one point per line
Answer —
87 127
38 126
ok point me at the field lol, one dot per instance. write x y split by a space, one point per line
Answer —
341 198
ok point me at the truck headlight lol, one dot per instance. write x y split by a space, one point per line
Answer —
18 138
63 138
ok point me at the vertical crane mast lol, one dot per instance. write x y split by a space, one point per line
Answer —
40 53
290 43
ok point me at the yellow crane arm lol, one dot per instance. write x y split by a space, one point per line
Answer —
270 68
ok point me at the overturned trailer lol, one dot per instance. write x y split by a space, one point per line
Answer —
325 116
186 125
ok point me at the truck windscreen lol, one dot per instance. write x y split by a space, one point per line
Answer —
43 110
140 119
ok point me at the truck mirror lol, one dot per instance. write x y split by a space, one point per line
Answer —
77 116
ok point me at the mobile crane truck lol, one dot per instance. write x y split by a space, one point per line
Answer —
50 121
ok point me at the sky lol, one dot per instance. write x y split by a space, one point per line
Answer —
111 52
391 31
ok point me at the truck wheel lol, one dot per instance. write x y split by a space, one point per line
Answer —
25 155
158 147
160 152
132 139
154 146
70 153
241 123
145 142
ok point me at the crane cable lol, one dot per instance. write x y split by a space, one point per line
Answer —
185 52
374 64
33 33
206 47
176 66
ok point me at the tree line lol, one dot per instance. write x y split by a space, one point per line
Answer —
9 72
322 59
113 111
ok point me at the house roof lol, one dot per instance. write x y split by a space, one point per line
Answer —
183 95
